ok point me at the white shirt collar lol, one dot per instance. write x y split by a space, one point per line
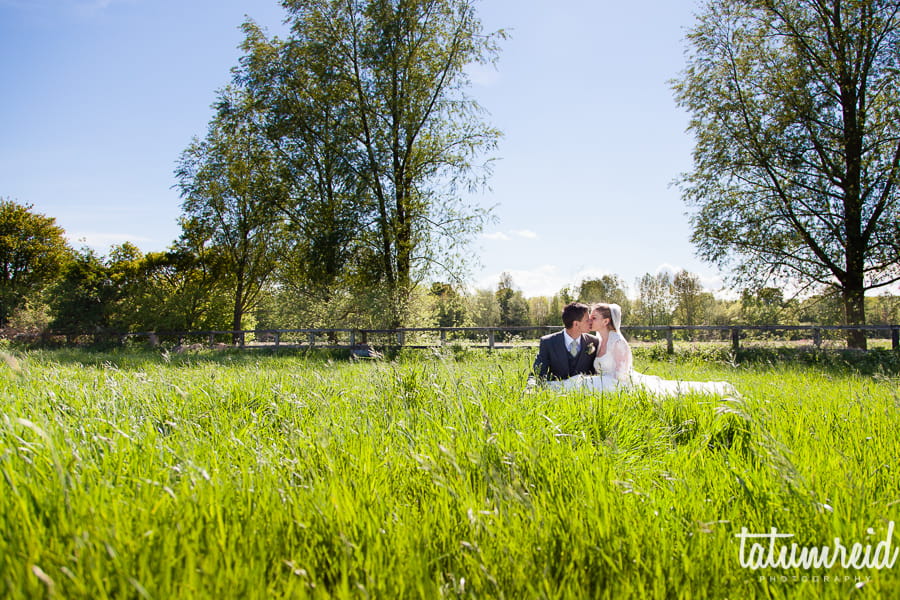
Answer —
569 340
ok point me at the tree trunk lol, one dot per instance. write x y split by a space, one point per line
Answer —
855 313
238 312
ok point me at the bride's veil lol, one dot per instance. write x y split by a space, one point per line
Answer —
625 360
616 313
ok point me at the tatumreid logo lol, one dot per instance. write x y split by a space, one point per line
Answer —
770 551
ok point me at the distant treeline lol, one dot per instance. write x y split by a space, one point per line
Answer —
49 286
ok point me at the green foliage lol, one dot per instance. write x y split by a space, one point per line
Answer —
33 251
511 303
876 361
766 306
228 475
231 190
132 292
83 298
608 288
656 300
485 309
793 105
449 306
692 304
365 103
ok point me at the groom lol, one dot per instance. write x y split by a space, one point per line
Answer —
568 352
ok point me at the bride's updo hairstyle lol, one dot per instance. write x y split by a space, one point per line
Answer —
613 312
605 313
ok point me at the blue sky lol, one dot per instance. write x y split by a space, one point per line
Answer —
101 96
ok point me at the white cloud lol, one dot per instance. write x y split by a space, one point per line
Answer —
544 280
710 283
668 269
498 236
549 279
525 233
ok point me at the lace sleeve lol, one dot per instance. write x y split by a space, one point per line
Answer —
621 353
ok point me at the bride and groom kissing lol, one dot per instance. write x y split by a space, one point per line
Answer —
575 359
572 350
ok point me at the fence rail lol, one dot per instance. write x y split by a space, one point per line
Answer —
484 337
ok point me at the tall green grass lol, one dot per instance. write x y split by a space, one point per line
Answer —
129 475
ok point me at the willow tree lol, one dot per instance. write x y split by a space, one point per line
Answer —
230 189
795 106
366 100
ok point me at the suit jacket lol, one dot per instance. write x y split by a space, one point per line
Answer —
554 361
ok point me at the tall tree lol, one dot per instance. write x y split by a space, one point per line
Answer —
656 299
511 301
307 120
33 251
608 288
691 302
484 308
392 76
449 308
797 156
231 190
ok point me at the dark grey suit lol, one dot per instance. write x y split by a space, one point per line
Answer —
555 362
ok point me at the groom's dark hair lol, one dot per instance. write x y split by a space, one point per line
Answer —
574 311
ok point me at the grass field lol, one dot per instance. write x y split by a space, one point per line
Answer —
139 475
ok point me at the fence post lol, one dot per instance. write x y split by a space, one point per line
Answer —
212 340
277 338
895 337
443 337
817 337
241 339
736 338
491 339
670 340
352 338
401 337
312 338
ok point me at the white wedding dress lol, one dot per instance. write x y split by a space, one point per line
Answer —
615 373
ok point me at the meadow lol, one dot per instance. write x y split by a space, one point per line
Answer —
142 474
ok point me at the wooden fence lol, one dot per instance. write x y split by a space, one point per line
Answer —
485 337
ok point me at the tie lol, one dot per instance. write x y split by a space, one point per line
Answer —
573 349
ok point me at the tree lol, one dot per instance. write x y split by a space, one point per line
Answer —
449 308
33 251
176 290
84 296
765 306
511 301
381 83
541 311
484 308
231 193
608 288
305 117
656 299
691 303
797 158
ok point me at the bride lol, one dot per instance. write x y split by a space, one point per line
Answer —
614 365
